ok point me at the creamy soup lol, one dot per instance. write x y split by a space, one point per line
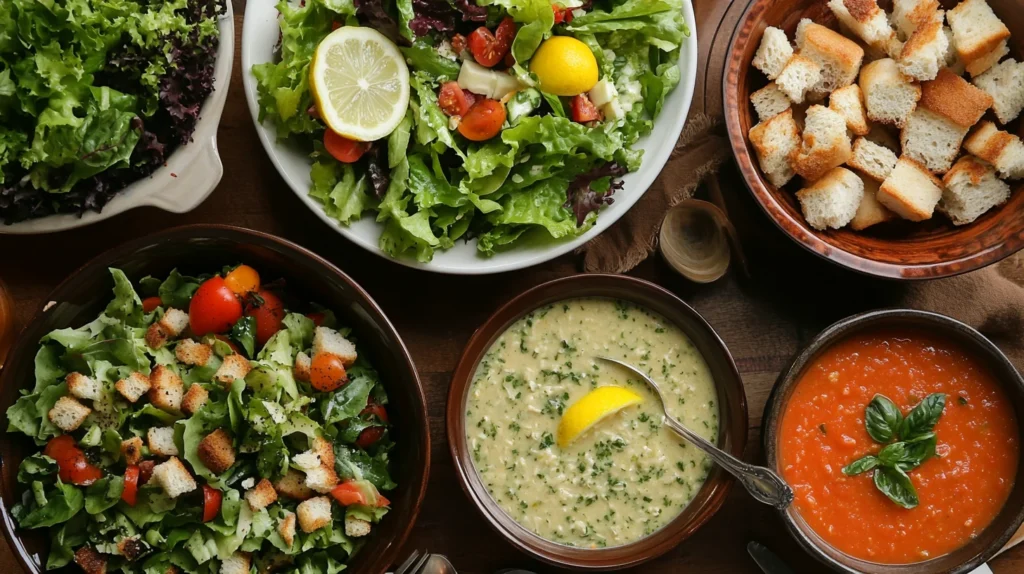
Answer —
627 476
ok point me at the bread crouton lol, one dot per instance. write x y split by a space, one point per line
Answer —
769 101
774 52
293 485
68 414
194 399
1003 150
133 387
924 54
237 563
948 108
980 36
911 191
318 464
173 477
838 57
1004 82
907 15
192 353
234 367
326 340
972 189
953 61
131 547
261 496
832 200
774 141
131 450
870 212
161 441
825 144
865 19
302 366
173 323
166 389
356 527
286 528
849 102
872 159
314 513
888 96
83 387
217 451
798 77
90 561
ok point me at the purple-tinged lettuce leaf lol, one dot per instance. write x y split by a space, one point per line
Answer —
582 199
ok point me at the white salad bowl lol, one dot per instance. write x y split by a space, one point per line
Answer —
190 172
260 33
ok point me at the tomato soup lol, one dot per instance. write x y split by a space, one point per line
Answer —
961 489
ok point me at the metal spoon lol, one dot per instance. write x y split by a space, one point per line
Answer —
438 564
762 483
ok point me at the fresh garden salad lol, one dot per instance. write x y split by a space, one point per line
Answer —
95 94
201 424
445 119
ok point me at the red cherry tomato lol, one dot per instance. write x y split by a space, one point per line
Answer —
268 315
505 34
344 149
510 60
490 48
458 43
584 110
211 502
214 308
335 25
361 492
369 436
150 303
483 121
72 467
377 411
317 318
562 15
453 99
131 485
145 471
327 372
230 343
242 280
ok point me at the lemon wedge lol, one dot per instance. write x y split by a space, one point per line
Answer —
596 406
564 66
360 83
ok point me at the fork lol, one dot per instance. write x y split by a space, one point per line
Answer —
413 563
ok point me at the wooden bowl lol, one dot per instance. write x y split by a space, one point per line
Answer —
977 551
732 431
898 250
200 248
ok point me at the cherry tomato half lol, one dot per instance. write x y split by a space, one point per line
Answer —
71 464
368 436
483 121
453 100
146 471
377 411
490 48
131 485
214 308
269 315
316 317
562 15
361 492
242 280
584 110
150 303
344 149
211 502
327 372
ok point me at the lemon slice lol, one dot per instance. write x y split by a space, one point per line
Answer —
596 406
360 83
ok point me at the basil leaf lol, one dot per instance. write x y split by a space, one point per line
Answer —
244 332
892 453
882 419
860 465
895 484
922 419
918 451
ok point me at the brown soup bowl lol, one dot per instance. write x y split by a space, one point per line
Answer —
899 249
1005 524
732 430
201 248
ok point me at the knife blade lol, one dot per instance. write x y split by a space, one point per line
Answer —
767 560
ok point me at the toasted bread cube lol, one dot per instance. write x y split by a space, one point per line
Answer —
356 527
90 561
924 54
327 340
172 324
980 36
194 399
192 353
1003 150
68 414
955 98
237 563
870 212
261 496
798 78
314 513
161 441
131 449
166 389
286 528
911 191
953 61
831 201
907 15
838 57
217 451
872 159
972 189
888 96
1005 84
865 19
131 547
774 52
318 464
825 144
173 477
849 102
234 367
83 387
769 101
293 485
302 366
133 387
949 107
774 141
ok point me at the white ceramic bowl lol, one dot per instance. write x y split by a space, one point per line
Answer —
260 32
186 178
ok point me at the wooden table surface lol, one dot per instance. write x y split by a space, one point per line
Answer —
764 320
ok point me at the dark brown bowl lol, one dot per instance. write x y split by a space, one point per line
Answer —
897 250
200 248
978 550
732 432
